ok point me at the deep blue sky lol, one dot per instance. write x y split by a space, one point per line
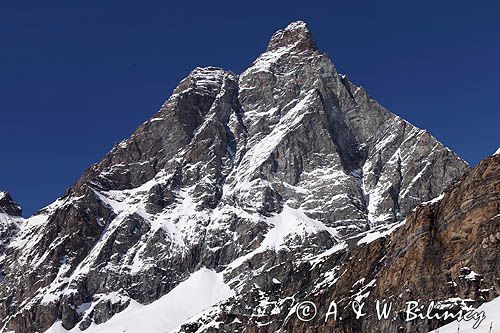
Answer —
78 76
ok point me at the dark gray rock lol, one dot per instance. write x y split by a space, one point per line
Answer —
10 218
9 206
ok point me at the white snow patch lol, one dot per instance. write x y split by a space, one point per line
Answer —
436 199
200 291
321 257
289 223
472 276
376 234
491 310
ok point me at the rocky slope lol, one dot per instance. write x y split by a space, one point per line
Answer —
245 175
447 251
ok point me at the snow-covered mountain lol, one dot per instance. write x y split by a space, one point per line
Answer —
10 218
237 188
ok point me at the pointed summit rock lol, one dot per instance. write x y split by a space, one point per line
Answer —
10 218
296 35
8 205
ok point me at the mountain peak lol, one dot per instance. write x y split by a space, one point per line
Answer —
296 35
8 206
268 169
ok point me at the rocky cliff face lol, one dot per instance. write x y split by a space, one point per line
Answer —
446 251
248 175
10 217
8 206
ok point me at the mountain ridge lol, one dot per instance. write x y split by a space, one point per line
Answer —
275 165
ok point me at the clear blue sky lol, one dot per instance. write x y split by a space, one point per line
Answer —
78 76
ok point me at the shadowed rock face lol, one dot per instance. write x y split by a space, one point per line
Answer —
10 216
8 206
446 251
250 175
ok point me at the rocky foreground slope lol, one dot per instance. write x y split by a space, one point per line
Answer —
447 251
243 180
